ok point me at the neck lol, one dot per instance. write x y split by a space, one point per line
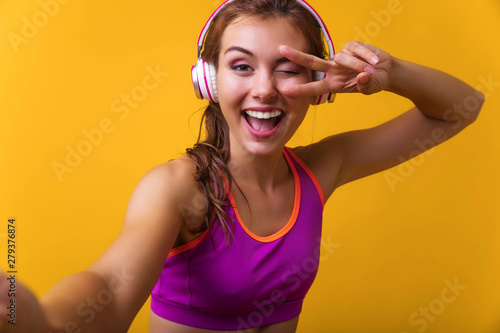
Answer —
264 171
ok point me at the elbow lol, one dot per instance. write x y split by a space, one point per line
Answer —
465 113
477 105
471 107
481 99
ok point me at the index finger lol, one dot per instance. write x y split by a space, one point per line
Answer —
304 59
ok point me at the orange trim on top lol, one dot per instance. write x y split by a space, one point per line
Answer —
189 245
291 222
310 174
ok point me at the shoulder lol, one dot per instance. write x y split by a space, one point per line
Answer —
175 176
324 160
166 187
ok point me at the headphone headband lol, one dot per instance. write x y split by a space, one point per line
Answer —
203 74
304 4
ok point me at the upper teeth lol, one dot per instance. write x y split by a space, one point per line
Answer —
263 115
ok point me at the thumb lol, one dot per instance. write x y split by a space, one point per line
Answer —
366 83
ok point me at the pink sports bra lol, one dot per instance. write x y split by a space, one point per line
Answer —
254 280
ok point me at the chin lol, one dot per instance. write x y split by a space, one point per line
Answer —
264 148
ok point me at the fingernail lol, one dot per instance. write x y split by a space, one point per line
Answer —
283 47
369 70
374 59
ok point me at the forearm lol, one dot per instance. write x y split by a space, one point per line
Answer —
82 302
434 93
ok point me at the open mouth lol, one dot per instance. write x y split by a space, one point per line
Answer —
263 122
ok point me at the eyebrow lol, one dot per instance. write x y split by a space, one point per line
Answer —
243 50
282 60
240 49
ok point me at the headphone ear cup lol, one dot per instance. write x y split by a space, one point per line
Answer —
318 76
203 75
194 79
212 81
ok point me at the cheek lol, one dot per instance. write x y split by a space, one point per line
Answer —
230 89
230 96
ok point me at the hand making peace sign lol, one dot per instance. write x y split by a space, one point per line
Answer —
358 67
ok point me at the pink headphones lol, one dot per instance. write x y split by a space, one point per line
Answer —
203 74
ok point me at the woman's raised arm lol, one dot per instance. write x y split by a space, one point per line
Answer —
444 106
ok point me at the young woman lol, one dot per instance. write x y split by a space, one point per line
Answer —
228 224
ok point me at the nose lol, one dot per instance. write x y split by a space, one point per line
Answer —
264 86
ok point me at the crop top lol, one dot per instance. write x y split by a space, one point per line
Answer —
252 281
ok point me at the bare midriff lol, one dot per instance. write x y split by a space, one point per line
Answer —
160 325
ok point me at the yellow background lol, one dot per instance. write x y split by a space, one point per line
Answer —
395 245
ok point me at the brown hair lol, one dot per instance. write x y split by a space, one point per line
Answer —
211 156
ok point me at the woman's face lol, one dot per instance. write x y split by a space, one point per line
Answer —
250 76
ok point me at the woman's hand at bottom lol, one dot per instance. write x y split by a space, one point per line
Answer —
20 313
